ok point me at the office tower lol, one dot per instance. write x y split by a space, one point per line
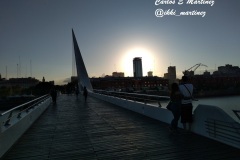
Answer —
172 74
137 67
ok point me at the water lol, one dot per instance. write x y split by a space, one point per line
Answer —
228 104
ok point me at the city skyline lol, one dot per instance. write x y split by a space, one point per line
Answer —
111 33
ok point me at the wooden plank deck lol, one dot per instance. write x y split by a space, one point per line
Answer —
74 129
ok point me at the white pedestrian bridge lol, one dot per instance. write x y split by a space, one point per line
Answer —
111 126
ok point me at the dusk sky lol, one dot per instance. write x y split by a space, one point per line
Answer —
110 33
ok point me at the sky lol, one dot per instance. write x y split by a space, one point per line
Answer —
36 38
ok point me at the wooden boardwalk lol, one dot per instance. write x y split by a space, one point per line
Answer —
74 129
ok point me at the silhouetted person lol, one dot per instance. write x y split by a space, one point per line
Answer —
68 90
186 108
85 93
53 95
175 98
77 91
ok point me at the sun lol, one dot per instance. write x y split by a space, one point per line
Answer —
147 61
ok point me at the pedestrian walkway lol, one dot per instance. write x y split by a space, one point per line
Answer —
74 129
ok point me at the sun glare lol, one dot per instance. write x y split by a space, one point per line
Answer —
147 61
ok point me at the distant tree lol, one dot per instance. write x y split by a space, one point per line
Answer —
42 88
4 92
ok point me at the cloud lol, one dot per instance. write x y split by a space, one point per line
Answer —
67 80
62 81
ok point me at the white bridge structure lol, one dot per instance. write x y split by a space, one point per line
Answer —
14 122
209 121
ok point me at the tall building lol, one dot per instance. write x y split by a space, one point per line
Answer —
172 73
137 67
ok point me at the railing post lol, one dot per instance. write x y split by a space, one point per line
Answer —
159 104
29 107
19 115
214 128
8 119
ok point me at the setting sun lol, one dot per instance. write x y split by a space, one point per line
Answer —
147 61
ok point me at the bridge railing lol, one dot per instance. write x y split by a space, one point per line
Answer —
14 122
209 121
227 131
136 97
16 113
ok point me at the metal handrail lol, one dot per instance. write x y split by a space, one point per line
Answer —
134 96
22 108
19 106
138 94
227 130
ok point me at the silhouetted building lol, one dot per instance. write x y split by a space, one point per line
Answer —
21 82
227 70
137 67
129 83
216 85
150 74
206 73
171 75
118 74
52 82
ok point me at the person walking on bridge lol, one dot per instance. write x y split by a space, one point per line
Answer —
53 94
77 91
85 93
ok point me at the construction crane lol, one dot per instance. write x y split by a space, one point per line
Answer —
190 71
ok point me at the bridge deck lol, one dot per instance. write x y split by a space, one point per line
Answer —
74 129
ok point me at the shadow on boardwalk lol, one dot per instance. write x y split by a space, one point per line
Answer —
74 129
